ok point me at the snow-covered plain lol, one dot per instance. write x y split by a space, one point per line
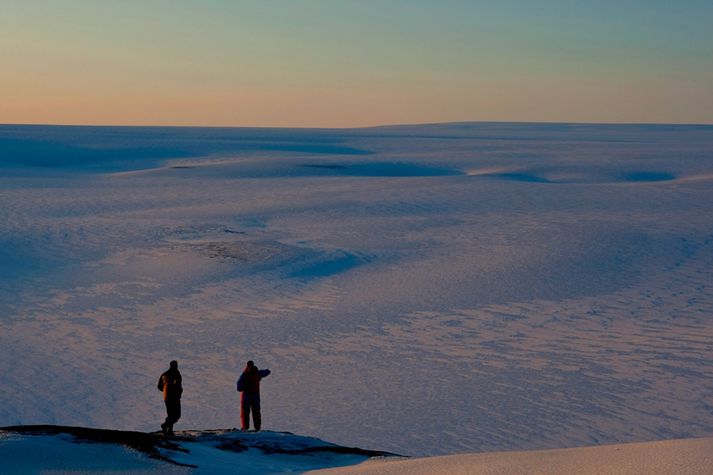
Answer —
422 290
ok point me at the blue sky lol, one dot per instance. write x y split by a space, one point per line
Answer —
347 63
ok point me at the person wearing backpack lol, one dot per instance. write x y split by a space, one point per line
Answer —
170 383
249 388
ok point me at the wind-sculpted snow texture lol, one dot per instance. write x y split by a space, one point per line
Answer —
422 290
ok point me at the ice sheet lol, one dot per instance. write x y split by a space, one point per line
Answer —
422 290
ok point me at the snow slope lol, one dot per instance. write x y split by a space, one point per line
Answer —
670 457
423 290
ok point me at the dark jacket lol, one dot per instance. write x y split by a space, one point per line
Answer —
170 384
249 381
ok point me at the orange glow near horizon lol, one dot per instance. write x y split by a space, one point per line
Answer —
342 64
323 107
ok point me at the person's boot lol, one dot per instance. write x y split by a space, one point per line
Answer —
257 419
163 429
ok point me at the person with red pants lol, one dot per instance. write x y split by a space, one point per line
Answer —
249 388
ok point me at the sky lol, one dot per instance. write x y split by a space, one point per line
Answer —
340 63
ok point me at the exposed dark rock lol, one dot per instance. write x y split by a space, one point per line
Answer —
160 447
141 441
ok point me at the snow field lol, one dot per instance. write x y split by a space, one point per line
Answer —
422 290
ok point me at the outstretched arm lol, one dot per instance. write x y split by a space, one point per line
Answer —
264 372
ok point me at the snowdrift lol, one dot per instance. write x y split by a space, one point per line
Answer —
669 457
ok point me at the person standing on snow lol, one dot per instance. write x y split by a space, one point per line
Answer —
249 387
170 383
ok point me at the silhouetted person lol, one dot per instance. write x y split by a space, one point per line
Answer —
249 386
170 384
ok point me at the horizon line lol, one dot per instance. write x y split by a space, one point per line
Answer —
403 124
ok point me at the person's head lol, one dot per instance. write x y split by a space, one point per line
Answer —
174 364
251 364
